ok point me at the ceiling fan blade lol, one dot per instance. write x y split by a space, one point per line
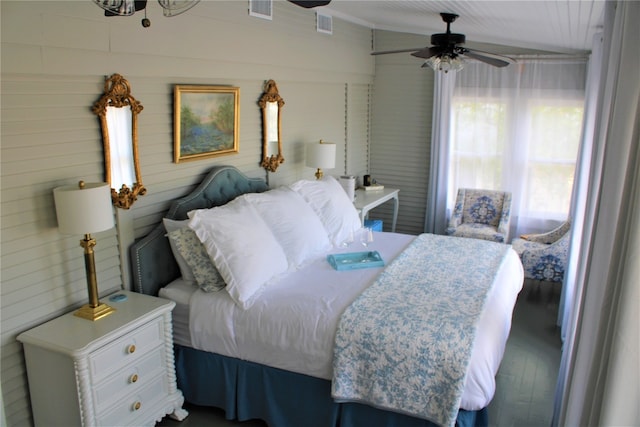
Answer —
308 4
428 52
385 52
487 58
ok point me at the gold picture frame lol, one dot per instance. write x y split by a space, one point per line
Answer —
205 121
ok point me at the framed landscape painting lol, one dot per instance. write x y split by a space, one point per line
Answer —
206 121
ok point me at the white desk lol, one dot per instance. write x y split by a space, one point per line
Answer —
367 200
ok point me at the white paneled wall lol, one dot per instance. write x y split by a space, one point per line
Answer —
55 56
401 129
357 130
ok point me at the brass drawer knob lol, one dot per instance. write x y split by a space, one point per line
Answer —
131 349
134 378
137 406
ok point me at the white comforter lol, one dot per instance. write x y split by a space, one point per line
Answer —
292 325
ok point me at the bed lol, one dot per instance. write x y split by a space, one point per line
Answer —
292 341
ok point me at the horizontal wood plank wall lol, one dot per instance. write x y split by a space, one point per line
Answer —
55 56
47 141
357 130
401 129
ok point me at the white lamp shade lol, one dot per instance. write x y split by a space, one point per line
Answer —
84 210
321 155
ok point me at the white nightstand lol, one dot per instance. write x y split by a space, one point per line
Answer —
367 200
118 370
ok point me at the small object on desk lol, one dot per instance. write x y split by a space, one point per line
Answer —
348 182
118 297
355 260
373 187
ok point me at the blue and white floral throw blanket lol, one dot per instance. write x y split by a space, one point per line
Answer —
405 343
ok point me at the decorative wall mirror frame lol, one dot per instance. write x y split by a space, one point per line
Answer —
271 104
118 112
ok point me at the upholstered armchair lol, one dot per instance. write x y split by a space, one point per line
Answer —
544 256
481 214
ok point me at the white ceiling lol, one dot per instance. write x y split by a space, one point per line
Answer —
564 26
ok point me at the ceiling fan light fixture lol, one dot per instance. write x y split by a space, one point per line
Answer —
117 7
129 7
445 62
176 7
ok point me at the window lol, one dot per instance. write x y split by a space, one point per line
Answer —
478 144
553 149
520 140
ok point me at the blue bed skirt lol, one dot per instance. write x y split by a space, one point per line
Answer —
246 390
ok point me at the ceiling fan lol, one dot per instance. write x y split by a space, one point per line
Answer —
172 7
446 52
309 4
129 7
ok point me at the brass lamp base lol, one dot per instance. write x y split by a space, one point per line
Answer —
95 309
94 313
319 174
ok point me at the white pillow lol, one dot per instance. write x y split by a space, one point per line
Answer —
293 223
330 202
195 255
185 271
242 247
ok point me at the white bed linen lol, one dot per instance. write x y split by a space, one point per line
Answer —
180 292
292 324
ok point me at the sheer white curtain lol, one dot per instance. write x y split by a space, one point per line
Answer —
518 129
599 377
579 220
437 213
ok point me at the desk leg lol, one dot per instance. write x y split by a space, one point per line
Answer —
395 214
363 216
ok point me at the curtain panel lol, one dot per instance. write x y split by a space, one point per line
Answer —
600 367
518 129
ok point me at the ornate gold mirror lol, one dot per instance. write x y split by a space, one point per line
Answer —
271 104
118 112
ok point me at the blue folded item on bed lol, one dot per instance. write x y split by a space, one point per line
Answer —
355 260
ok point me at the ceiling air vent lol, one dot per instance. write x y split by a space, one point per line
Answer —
261 9
324 23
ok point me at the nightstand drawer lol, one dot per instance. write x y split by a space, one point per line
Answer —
127 410
126 349
130 379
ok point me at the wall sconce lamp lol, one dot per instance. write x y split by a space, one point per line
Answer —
321 155
86 209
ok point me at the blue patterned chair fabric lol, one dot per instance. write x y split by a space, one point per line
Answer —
544 256
481 214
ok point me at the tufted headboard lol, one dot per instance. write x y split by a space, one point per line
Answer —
153 264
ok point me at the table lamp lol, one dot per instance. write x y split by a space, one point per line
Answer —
85 209
321 155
